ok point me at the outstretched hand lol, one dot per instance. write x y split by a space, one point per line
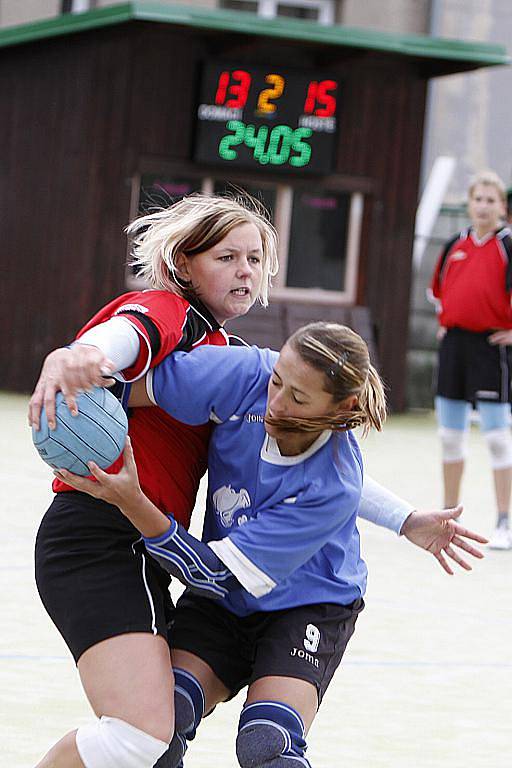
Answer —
69 370
122 489
439 533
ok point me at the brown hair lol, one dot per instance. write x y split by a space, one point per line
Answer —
342 356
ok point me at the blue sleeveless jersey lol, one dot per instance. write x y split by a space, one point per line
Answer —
284 525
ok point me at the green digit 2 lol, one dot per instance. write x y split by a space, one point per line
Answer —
229 141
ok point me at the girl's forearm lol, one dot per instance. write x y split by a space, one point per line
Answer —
144 515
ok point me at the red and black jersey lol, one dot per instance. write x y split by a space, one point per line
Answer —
473 282
171 457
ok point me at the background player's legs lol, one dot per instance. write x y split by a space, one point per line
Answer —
452 418
128 677
452 480
495 420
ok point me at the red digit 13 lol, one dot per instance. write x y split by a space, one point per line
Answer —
234 84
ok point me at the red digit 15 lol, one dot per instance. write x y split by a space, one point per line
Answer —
319 93
235 84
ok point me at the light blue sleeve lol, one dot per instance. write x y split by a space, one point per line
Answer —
210 382
382 507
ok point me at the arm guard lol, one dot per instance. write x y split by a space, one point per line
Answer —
192 562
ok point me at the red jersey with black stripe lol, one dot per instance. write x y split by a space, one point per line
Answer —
473 282
171 457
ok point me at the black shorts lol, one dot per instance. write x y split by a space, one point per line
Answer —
306 642
472 369
94 575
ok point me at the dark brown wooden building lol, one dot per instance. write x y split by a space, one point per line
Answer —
105 112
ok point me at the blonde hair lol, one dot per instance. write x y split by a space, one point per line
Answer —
342 356
191 226
488 179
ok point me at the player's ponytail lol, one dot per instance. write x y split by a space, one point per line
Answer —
372 400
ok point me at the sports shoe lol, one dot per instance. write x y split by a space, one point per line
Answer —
501 538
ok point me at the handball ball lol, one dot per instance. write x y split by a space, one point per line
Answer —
97 433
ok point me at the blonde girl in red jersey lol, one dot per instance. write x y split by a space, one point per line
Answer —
473 285
208 260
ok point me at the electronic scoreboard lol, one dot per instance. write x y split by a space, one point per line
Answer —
266 117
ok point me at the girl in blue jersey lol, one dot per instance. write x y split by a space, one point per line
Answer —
285 478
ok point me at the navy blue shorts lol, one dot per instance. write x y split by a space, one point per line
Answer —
306 642
94 575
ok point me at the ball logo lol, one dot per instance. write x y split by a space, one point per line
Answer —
227 501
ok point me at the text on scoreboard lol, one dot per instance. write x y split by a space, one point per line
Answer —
266 117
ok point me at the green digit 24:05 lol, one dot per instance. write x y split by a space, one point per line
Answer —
269 146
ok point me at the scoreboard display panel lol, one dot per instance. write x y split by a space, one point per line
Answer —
266 117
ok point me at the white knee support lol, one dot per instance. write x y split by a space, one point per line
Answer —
453 442
113 743
500 447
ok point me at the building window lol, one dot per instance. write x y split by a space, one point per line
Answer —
251 6
319 229
157 190
317 251
77 6
321 11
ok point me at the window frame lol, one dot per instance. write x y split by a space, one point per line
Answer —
326 8
77 6
268 9
282 220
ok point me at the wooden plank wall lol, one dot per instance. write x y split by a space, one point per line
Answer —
84 111
383 139
60 238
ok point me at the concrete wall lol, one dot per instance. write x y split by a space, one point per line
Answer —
469 115
401 16
199 3
17 12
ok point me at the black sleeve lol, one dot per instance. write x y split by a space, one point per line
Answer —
507 247
444 254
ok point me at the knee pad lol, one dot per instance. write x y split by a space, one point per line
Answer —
173 757
500 447
188 711
453 442
113 743
271 734
188 703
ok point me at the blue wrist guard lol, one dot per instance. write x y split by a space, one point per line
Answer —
192 562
